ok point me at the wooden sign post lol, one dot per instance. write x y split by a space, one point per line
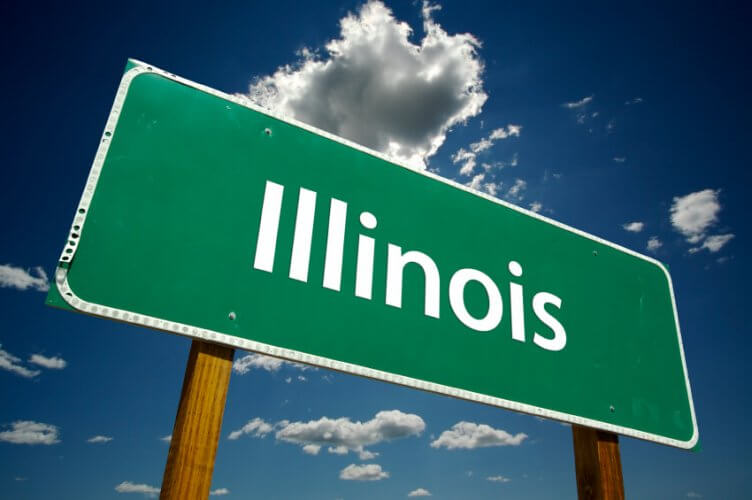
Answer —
597 464
190 462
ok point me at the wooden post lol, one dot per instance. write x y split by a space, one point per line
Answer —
597 464
190 462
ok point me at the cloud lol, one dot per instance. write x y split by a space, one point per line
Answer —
713 243
219 492
366 472
694 213
654 243
376 87
167 438
633 227
259 361
99 439
12 364
620 159
342 435
636 100
15 277
693 494
516 191
478 183
29 432
129 487
53 363
311 449
420 492
536 207
468 435
255 427
468 158
578 104
498 479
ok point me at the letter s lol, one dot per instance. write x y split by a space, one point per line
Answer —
560 336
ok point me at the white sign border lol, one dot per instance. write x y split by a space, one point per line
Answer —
61 278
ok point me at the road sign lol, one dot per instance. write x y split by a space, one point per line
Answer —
206 216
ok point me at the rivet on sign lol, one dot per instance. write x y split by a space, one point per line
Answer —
612 408
232 315
268 131
595 252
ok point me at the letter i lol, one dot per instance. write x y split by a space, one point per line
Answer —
364 270
518 309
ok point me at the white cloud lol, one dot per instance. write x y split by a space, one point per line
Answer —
311 449
99 439
366 472
694 213
342 434
516 191
713 243
693 494
654 243
536 207
620 159
498 479
29 432
12 364
15 277
219 492
469 435
479 184
633 227
578 104
129 487
255 427
167 438
260 362
377 88
420 492
53 363
469 158
636 100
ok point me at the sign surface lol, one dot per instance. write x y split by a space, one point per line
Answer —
207 217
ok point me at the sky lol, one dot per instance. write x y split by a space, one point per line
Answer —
628 121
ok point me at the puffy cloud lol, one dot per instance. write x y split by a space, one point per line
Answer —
312 449
12 364
469 435
478 183
129 487
633 227
255 427
366 472
536 207
468 158
713 243
29 432
420 492
498 479
377 88
99 439
219 492
53 363
260 362
694 213
578 104
342 435
15 277
654 243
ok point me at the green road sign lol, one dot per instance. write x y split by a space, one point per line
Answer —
208 217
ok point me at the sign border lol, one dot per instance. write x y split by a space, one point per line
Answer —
78 304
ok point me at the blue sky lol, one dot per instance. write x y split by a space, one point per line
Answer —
626 121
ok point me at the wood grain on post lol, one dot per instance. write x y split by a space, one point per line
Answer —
597 464
190 462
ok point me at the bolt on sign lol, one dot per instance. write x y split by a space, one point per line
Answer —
208 217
